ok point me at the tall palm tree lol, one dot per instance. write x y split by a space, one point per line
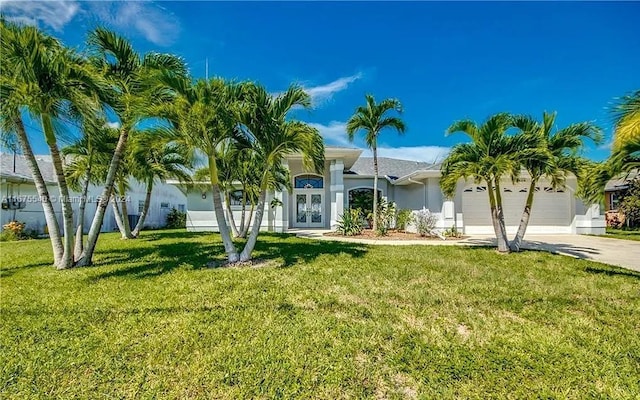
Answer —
204 116
157 157
557 157
490 156
55 85
273 138
136 90
372 119
17 45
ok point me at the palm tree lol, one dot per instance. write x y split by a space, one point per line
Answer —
55 85
204 116
157 157
137 88
489 157
88 159
373 120
626 141
273 138
556 158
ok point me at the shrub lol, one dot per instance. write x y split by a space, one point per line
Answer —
452 232
425 222
350 223
404 218
630 203
176 219
386 216
15 230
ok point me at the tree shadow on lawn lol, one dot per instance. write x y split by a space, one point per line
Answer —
612 271
162 258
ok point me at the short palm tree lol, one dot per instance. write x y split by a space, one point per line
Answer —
273 138
372 118
136 91
491 156
557 157
156 156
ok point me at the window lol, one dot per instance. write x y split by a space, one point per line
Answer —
235 198
181 207
469 189
308 182
481 188
164 205
523 190
615 200
507 190
140 206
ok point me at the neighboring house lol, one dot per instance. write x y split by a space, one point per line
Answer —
613 193
16 186
318 201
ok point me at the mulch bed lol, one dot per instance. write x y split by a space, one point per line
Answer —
391 235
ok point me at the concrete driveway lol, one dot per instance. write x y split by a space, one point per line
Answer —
618 252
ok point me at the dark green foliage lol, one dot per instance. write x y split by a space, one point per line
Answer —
630 204
404 218
176 219
351 223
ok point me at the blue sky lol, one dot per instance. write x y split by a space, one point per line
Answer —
443 61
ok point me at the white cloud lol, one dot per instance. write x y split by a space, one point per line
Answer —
430 154
143 18
153 22
335 133
113 125
322 93
54 14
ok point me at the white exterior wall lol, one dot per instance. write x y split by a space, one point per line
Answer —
33 215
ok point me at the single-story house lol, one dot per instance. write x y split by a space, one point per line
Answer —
318 201
20 200
615 188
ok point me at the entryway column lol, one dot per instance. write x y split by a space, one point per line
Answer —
282 212
337 192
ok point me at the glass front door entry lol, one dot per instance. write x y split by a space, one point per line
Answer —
309 210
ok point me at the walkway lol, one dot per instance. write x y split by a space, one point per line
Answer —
618 252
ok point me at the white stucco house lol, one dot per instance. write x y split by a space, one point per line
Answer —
16 185
318 201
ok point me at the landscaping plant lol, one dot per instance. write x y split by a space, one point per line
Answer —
351 223
425 222
403 219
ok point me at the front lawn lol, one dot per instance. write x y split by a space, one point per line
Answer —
623 234
334 320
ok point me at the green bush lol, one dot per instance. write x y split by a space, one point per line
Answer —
404 218
386 216
15 230
350 223
176 219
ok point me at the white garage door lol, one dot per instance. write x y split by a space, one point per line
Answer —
551 211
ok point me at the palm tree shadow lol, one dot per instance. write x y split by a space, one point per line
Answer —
612 271
162 258
298 250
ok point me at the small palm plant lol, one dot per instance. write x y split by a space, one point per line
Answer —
351 223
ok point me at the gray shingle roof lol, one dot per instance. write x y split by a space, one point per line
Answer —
391 167
622 182
22 170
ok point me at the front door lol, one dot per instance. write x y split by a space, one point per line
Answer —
309 210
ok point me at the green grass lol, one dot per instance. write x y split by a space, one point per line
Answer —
334 320
623 234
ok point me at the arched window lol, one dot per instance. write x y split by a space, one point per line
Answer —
362 198
308 182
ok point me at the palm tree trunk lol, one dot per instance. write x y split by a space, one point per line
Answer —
245 230
145 209
47 206
230 249
103 201
524 221
375 188
503 241
126 231
117 214
232 221
244 209
255 229
65 199
81 210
